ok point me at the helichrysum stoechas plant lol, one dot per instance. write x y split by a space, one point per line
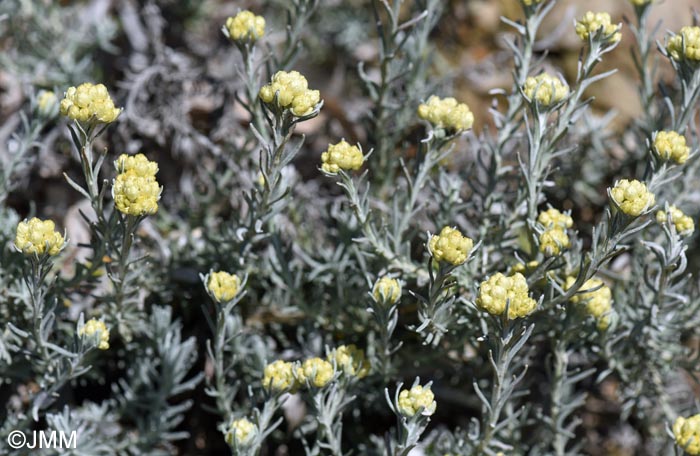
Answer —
341 156
450 246
446 113
593 23
98 330
545 89
38 237
632 197
687 433
684 224
245 27
412 251
669 145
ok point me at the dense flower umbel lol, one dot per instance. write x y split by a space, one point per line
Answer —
350 360
341 156
135 190
96 328
687 433
279 376
242 432
685 45
632 197
553 240
669 145
417 399
292 91
89 103
684 224
598 302
223 286
450 246
499 289
315 371
245 26
387 290
591 22
446 113
38 237
553 218
545 89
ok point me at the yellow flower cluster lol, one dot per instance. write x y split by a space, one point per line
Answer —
417 399
499 289
241 432
93 327
341 156
531 2
135 189
89 103
632 197
279 376
38 237
223 286
245 26
591 22
446 113
684 224
685 45
598 301
554 237
687 433
450 246
525 267
292 91
545 89
351 360
669 145
387 290
46 104
315 371
640 2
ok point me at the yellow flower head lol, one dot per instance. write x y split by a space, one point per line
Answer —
341 156
38 237
279 376
315 371
553 240
669 145
89 103
446 113
292 92
591 22
97 329
684 224
499 289
241 432
417 399
531 2
47 103
685 45
632 197
687 433
545 89
525 267
598 301
450 246
641 2
245 26
135 190
552 218
138 163
351 360
223 286
387 290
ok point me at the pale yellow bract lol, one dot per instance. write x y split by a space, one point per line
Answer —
632 197
38 236
241 433
446 113
95 327
292 91
687 434
341 156
592 22
245 26
89 103
223 286
418 398
500 290
387 290
684 224
685 45
670 145
450 246
545 89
